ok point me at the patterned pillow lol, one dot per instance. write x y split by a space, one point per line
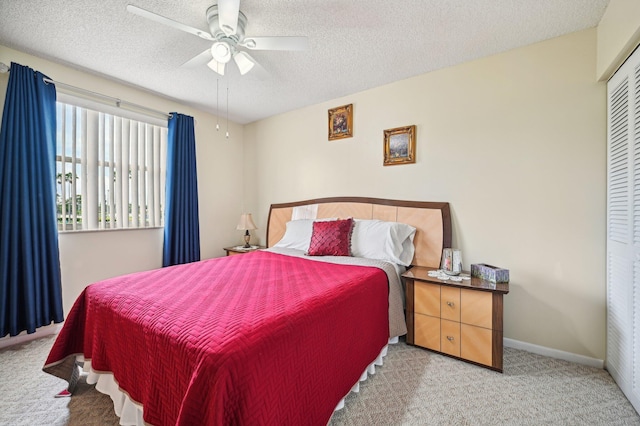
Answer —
332 238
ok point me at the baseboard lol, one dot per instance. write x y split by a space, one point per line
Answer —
24 337
510 343
554 353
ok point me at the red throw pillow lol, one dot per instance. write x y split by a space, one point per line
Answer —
331 238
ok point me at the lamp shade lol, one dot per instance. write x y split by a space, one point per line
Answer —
244 62
216 66
246 223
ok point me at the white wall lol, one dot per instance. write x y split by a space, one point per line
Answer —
86 257
618 35
515 142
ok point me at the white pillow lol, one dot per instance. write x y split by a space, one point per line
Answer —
382 240
297 234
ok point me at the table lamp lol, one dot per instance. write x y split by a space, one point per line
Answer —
246 224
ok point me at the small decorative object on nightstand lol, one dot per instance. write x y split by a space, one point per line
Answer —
246 224
451 261
241 249
490 273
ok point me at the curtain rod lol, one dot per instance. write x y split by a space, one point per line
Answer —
4 68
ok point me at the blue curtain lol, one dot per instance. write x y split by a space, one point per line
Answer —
181 223
30 283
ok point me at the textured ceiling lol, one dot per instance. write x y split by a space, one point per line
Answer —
355 44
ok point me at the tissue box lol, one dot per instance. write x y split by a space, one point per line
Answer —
490 273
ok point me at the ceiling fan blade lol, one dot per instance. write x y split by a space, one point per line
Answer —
169 22
276 43
216 66
228 11
198 60
244 61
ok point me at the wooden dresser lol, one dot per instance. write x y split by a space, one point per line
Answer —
459 319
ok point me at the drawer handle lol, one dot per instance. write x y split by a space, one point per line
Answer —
450 338
450 304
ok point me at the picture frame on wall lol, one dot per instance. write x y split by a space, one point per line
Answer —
341 122
400 145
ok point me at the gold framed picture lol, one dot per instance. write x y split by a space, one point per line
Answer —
341 122
400 145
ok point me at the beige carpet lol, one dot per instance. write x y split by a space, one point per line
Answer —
414 387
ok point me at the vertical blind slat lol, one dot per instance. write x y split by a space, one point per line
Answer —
163 173
111 172
118 218
151 217
74 198
101 189
126 177
142 131
133 196
83 166
156 175
63 169
92 168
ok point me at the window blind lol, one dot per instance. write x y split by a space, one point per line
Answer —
110 170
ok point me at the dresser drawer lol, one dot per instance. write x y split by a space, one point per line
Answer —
476 308
450 337
476 344
450 303
427 331
427 299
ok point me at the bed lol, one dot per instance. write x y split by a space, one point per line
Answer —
276 336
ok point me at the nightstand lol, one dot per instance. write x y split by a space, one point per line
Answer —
231 251
462 319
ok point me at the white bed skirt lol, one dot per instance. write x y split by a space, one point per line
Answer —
130 412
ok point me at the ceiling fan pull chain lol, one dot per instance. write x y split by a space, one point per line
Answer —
227 136
217 107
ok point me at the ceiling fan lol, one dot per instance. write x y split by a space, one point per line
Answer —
226 30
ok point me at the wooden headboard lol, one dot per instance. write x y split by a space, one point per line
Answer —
431 220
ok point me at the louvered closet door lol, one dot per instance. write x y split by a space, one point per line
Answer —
623 228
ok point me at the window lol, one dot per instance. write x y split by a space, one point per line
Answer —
110 170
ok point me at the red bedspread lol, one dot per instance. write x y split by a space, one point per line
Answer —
260 338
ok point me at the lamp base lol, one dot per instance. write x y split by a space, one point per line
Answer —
247 238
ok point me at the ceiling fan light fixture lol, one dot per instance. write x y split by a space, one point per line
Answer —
221 52
244 62
227 33
216 66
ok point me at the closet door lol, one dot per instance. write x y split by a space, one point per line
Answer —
623 228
